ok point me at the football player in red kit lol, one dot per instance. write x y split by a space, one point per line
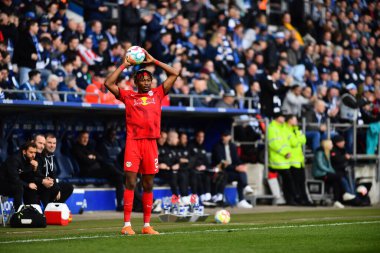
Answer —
143 121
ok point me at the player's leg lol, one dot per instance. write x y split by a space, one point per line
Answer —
149 169
131 167
147 180
129 192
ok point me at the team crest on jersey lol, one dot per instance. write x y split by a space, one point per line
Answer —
128 164
150 93
144 101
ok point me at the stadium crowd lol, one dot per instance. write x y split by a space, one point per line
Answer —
322 65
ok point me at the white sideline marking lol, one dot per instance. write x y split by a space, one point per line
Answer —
195 232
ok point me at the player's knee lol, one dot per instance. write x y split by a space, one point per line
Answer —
148 186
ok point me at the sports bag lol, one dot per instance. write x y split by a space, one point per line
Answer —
28 217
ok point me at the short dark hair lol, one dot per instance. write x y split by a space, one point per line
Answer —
140 73
33 73
50 135
29 144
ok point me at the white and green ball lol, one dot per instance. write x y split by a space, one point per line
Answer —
135 55
222 216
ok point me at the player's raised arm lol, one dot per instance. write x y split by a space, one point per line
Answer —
171 72
111 79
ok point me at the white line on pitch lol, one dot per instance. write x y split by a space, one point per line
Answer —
196 232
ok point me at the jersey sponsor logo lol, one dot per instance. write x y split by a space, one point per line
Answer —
144 101
128 164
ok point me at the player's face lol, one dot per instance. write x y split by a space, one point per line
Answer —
84 139
40 142
144 84
30 153
51 144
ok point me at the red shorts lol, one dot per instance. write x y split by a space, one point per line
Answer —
141 156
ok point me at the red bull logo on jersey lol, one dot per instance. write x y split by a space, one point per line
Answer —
144 101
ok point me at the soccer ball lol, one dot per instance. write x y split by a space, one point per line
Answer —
135 55
362 190
222 216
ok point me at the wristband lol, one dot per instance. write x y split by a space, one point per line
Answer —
122 67
156 62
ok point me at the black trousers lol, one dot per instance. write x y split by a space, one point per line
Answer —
12 190
218 182
48 195
178 181
334 181
30 196
200 182
288 186
299 183
114 176
241 178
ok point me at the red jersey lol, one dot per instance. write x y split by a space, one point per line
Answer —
143 112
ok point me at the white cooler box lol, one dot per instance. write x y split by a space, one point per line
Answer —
57 214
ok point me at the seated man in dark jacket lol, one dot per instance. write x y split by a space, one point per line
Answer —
225 157
17 176
91 164
339 161
47 169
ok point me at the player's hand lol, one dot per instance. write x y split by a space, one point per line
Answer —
126 63
175 167
32 186
148 58
241 168
34 164
58 197
201 168
47 182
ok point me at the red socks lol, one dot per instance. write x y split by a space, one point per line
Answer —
128 204
147 199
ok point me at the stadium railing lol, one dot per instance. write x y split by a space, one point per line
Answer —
189 98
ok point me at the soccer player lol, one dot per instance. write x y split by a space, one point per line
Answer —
143 121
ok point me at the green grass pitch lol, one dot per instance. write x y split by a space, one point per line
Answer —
331 230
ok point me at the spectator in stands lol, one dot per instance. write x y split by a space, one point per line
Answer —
294 101
323 170
92 164
200 169
51 89
297 159
95 10
318 131
71 50
180 87
225 157
239 80
132 20
270 95
70 31
200 88
113 55
69 85
280 153
49 189
27 51
228 100
254 95
17 176
30 87
87 53
111 34
215 84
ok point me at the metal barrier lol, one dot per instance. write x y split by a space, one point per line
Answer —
189 97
